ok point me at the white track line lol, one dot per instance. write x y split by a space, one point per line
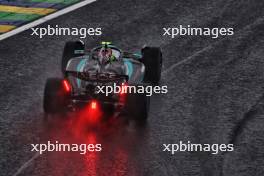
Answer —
26 164
187 59
45 19
259 20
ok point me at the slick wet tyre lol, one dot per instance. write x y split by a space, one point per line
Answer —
71 49
152 59
54 96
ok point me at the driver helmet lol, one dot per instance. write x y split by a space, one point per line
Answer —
105 55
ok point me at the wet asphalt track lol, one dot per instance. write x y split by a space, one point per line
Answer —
216 96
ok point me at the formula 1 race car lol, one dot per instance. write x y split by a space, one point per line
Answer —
85 70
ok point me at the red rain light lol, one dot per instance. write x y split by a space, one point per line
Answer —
123 89
93 113
93 104
66 85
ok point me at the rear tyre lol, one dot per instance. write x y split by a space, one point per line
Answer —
152 59
71 49
55 98
137 107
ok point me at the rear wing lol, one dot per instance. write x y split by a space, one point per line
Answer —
97 77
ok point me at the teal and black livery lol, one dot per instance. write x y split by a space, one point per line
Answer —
83 70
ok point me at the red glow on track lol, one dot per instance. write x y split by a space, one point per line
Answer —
66 85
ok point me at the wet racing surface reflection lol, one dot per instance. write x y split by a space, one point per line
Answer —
119 141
